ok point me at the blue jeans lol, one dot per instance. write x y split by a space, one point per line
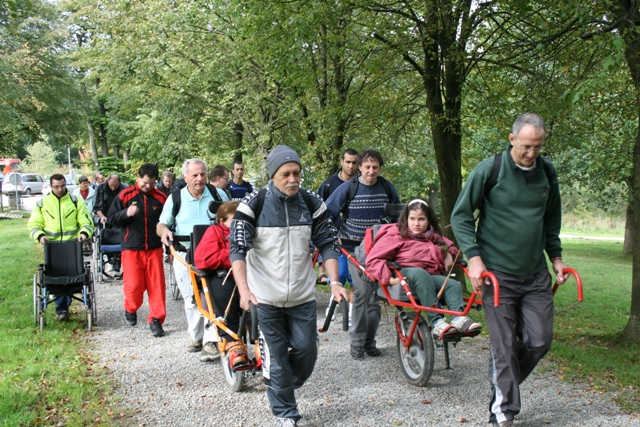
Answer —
62 303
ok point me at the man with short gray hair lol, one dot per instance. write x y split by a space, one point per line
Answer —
193 210
519 220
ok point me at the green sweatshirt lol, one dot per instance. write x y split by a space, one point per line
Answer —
518 222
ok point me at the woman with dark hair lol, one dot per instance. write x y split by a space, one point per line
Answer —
417 244
212 253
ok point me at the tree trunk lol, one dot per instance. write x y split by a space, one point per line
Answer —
628 225
628 20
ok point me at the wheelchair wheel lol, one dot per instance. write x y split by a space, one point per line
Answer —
36 300
89 319
94 305
173 283
417 360
234 380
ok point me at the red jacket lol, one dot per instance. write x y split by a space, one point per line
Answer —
213 250
389 245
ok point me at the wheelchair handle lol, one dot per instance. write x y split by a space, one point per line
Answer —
578 282
327 321
253 335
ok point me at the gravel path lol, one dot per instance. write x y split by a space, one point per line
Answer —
164 385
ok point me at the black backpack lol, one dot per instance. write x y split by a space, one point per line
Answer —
262 193
495 171
175 196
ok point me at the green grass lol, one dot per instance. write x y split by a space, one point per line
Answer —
47 378
587 338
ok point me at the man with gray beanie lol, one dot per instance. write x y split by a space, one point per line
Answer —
272 265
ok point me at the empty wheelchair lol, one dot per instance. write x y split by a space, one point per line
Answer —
64 273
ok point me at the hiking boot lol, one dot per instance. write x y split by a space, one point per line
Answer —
237 355
194 346
466 325
357 353
286 422
373 352
442 330
156 328
210 352
131 318
63 316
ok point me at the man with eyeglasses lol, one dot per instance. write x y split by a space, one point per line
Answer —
57 217
219 178
519 220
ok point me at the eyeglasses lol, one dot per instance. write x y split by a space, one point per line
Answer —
529 148
58 187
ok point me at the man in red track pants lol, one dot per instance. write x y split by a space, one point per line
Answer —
137 209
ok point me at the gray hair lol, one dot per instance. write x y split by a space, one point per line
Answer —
187 162
527 119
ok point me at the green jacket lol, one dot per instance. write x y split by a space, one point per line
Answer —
60 218
518 221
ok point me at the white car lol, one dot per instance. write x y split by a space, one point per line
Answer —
23 183
71 185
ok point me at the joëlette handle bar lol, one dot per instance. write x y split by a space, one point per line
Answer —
578 282
253 333
327 321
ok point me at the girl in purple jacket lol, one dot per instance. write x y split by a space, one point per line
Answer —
417 244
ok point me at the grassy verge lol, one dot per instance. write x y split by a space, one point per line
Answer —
48 378
587 341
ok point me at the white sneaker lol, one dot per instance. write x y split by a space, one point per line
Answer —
466 325
286 422
442 329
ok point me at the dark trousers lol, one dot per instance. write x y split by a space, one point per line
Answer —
520 332
289 346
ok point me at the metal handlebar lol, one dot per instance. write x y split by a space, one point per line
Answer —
578 282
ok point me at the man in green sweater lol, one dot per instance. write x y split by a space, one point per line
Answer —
519 219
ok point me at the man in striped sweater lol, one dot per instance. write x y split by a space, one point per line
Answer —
353 215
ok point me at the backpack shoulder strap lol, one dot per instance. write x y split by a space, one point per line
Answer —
214 192
74 199
495 171
258 208
175 197
307 200
353 189
387 188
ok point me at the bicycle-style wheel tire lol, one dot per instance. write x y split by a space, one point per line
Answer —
173 283
234 380
417 360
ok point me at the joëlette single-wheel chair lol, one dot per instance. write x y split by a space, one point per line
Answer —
64 273
247 333
415 342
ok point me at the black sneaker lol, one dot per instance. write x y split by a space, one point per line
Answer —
356 353
63 316
131 318
156 328
373 352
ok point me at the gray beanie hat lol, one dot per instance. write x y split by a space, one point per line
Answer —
279 156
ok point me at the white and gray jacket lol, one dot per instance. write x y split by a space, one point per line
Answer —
275 245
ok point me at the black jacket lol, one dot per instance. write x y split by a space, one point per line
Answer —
140 229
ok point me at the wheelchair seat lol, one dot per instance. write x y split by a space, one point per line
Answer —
63 263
